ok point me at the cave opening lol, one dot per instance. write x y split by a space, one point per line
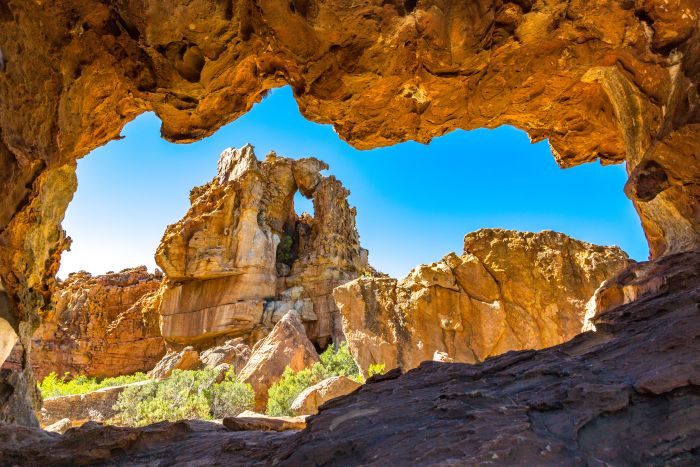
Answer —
129 190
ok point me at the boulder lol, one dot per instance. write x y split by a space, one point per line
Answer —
508 291
101 326
286 346
241 257
232 352
252 421
59 427
311 398
185 359
81 408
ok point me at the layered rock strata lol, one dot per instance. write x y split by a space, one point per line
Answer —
101 326
508 291
241 257
626 394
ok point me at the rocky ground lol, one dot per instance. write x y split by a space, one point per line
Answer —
625 394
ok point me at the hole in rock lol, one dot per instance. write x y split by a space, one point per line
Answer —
250 262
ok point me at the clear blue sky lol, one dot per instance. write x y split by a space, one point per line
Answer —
415 202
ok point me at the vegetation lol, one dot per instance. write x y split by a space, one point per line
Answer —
284 250
54 386
185 394
333 363
376 369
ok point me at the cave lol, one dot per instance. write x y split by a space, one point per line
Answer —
608 81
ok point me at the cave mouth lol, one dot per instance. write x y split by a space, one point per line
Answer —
410 209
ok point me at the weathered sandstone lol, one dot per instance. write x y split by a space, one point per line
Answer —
185 359
101 326
286 346
241 257
251 421
626 394
615 81
232 352
311 398
80 408
508 291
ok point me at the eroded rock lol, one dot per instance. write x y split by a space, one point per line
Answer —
101 326
241 258
286 346
600 398
311 398
185 359
508 291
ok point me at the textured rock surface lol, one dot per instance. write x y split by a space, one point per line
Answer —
81 408
232 352
185 359
626 394
311 398
241 257
508 291
286 346
609 80
101 326
251 421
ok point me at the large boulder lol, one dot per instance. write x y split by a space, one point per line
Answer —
508 291
101 325
185 359
241 257
286 346
80 408
233 352
311 398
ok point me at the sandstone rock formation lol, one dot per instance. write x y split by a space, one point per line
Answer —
185 359
80 408
508 291
232 352
617 81
286 346
241 257
258 422
626 394
101 326
311 398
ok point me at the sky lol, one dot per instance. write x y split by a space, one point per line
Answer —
414 202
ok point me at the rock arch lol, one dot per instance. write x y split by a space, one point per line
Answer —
614 81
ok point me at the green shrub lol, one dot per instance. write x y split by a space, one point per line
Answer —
53 386
284 250
333 363
375 369
184 395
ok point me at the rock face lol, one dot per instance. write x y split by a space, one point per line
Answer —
241 257
311 398
508 291
286 346
232 352
101 326
626 394
617 81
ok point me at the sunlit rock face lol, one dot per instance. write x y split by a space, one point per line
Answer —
508 291
101 326
241 257
617 81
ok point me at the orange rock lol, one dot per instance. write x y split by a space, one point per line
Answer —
101 326
509 291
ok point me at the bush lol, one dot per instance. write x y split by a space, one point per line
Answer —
53 386
375 369
184 395
333 363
